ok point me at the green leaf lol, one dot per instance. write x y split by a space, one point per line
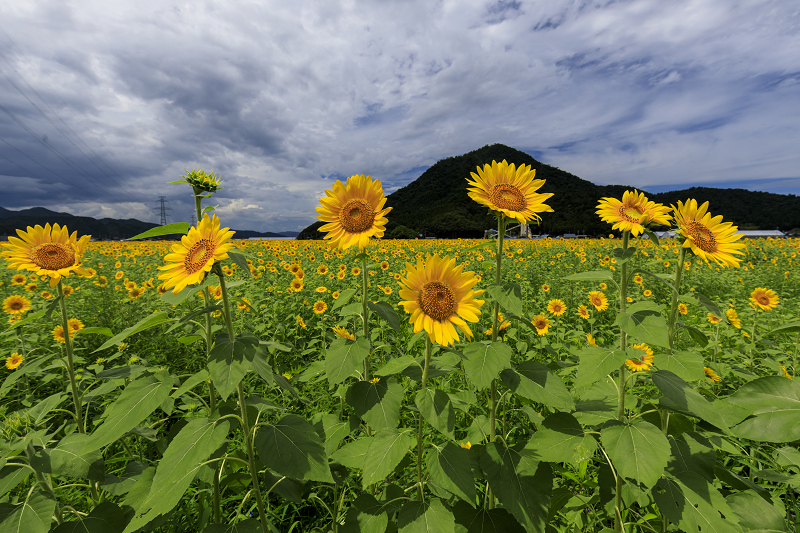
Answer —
353 453
678 395
95 331
694 504
662 278
561 440
251 525
645 325
241 262
39 412
522 484
437 409
509 296
484 361
107 517
792 327
263 368
775 404
147 322
638 451
395 365
158 231
190 383
378 403
291 447
34 515
228 361
425 517
485 520
596 363
623 255
686 365
343 298
344 358
700 299
449 467
331 429
140 398
534 381
10 477
66 459
756 513
385 452
190 448
594 275
691 453
697 336
388 313
366 515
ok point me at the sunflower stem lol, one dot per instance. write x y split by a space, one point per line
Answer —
428 350
365 312
673 310
70 364
498 277
623 342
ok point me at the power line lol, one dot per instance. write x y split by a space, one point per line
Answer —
162 209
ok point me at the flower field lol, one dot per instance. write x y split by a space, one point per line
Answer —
372 385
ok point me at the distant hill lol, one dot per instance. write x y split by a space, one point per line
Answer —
437 203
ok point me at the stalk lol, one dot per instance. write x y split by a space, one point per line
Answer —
365 312
70 364
428 350
623 342
501 233
673 310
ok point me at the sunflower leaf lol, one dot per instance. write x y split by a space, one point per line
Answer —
775 404
639 451
293 448
425 516
378 402
509 296
593 275
385 452
147 322
388 313
158 231
241 262
229 361
484 361
534 381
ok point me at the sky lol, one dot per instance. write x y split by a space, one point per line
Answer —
103 103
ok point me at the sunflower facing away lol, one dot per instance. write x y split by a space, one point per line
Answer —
51 252
509 190
764 299
354 212
16 305
194 256
708 238
439 296
633 213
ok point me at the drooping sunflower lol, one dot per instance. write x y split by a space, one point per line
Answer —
764 299
353 212
47 251
556 307
708 238
509 190
14 360
598 300
633 213
644 362
339 331
733 318
194 256
16 305
541 323
712 375
438 294
712 318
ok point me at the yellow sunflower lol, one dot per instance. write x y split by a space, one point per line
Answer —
18 279
644 362
510 190
633 213
556 307
301 322
194 256
711 374
590 340
353 212
733 318
320 307
682 309
598 300
763 298
341 332
16 305
714 319
46 251
583 312
14 360
707 237
541 323
438 295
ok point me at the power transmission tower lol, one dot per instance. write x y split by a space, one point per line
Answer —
162 209
192 220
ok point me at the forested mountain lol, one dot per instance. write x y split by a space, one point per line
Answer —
437 203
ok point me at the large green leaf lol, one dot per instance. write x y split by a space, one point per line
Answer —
484 361
353 453
522 483
694 504
190 383
66 459
107 517
167 229
343 358
509 296
366 515
147 322
190 448
11 476
756 513
449 468
331 429
437 409
775 404
251 525
228 361
678 395
140 398
482 520
561 440
644 325
39 412
385 452
33 515
388 313
594 275
692 453
638 451
425 517
686 365
596 363
377 402
293 448
534 381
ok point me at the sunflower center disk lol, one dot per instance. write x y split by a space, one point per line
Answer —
631 213
357 216
53 256
15 305
702 237
507 196
437 301
199 255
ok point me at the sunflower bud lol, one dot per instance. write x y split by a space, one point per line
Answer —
200 181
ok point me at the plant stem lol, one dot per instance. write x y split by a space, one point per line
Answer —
673 310
365 312
623 342
70 364
498 278
428 349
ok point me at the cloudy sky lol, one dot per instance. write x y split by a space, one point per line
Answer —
102 103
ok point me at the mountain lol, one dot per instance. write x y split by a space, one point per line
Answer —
437 203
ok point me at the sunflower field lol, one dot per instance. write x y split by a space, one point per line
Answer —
360 384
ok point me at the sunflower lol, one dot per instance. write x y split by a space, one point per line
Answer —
47 295
556 307
638 279
509 190
194 256
297 284
583 312
67 290
714 319
633 213
18 279
647 293
707 237
244 304
16 305
682 309
320 307
74 326
438 295
119 275
58 334
386 290
598 300
301 322
733 318
30 287
356 271
101 281
322 289
384 265
136 292
339 331
546 287
322 270
646 360
340 275
712 375
353 212
541 323
46 251
14 360
764 299
590 340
